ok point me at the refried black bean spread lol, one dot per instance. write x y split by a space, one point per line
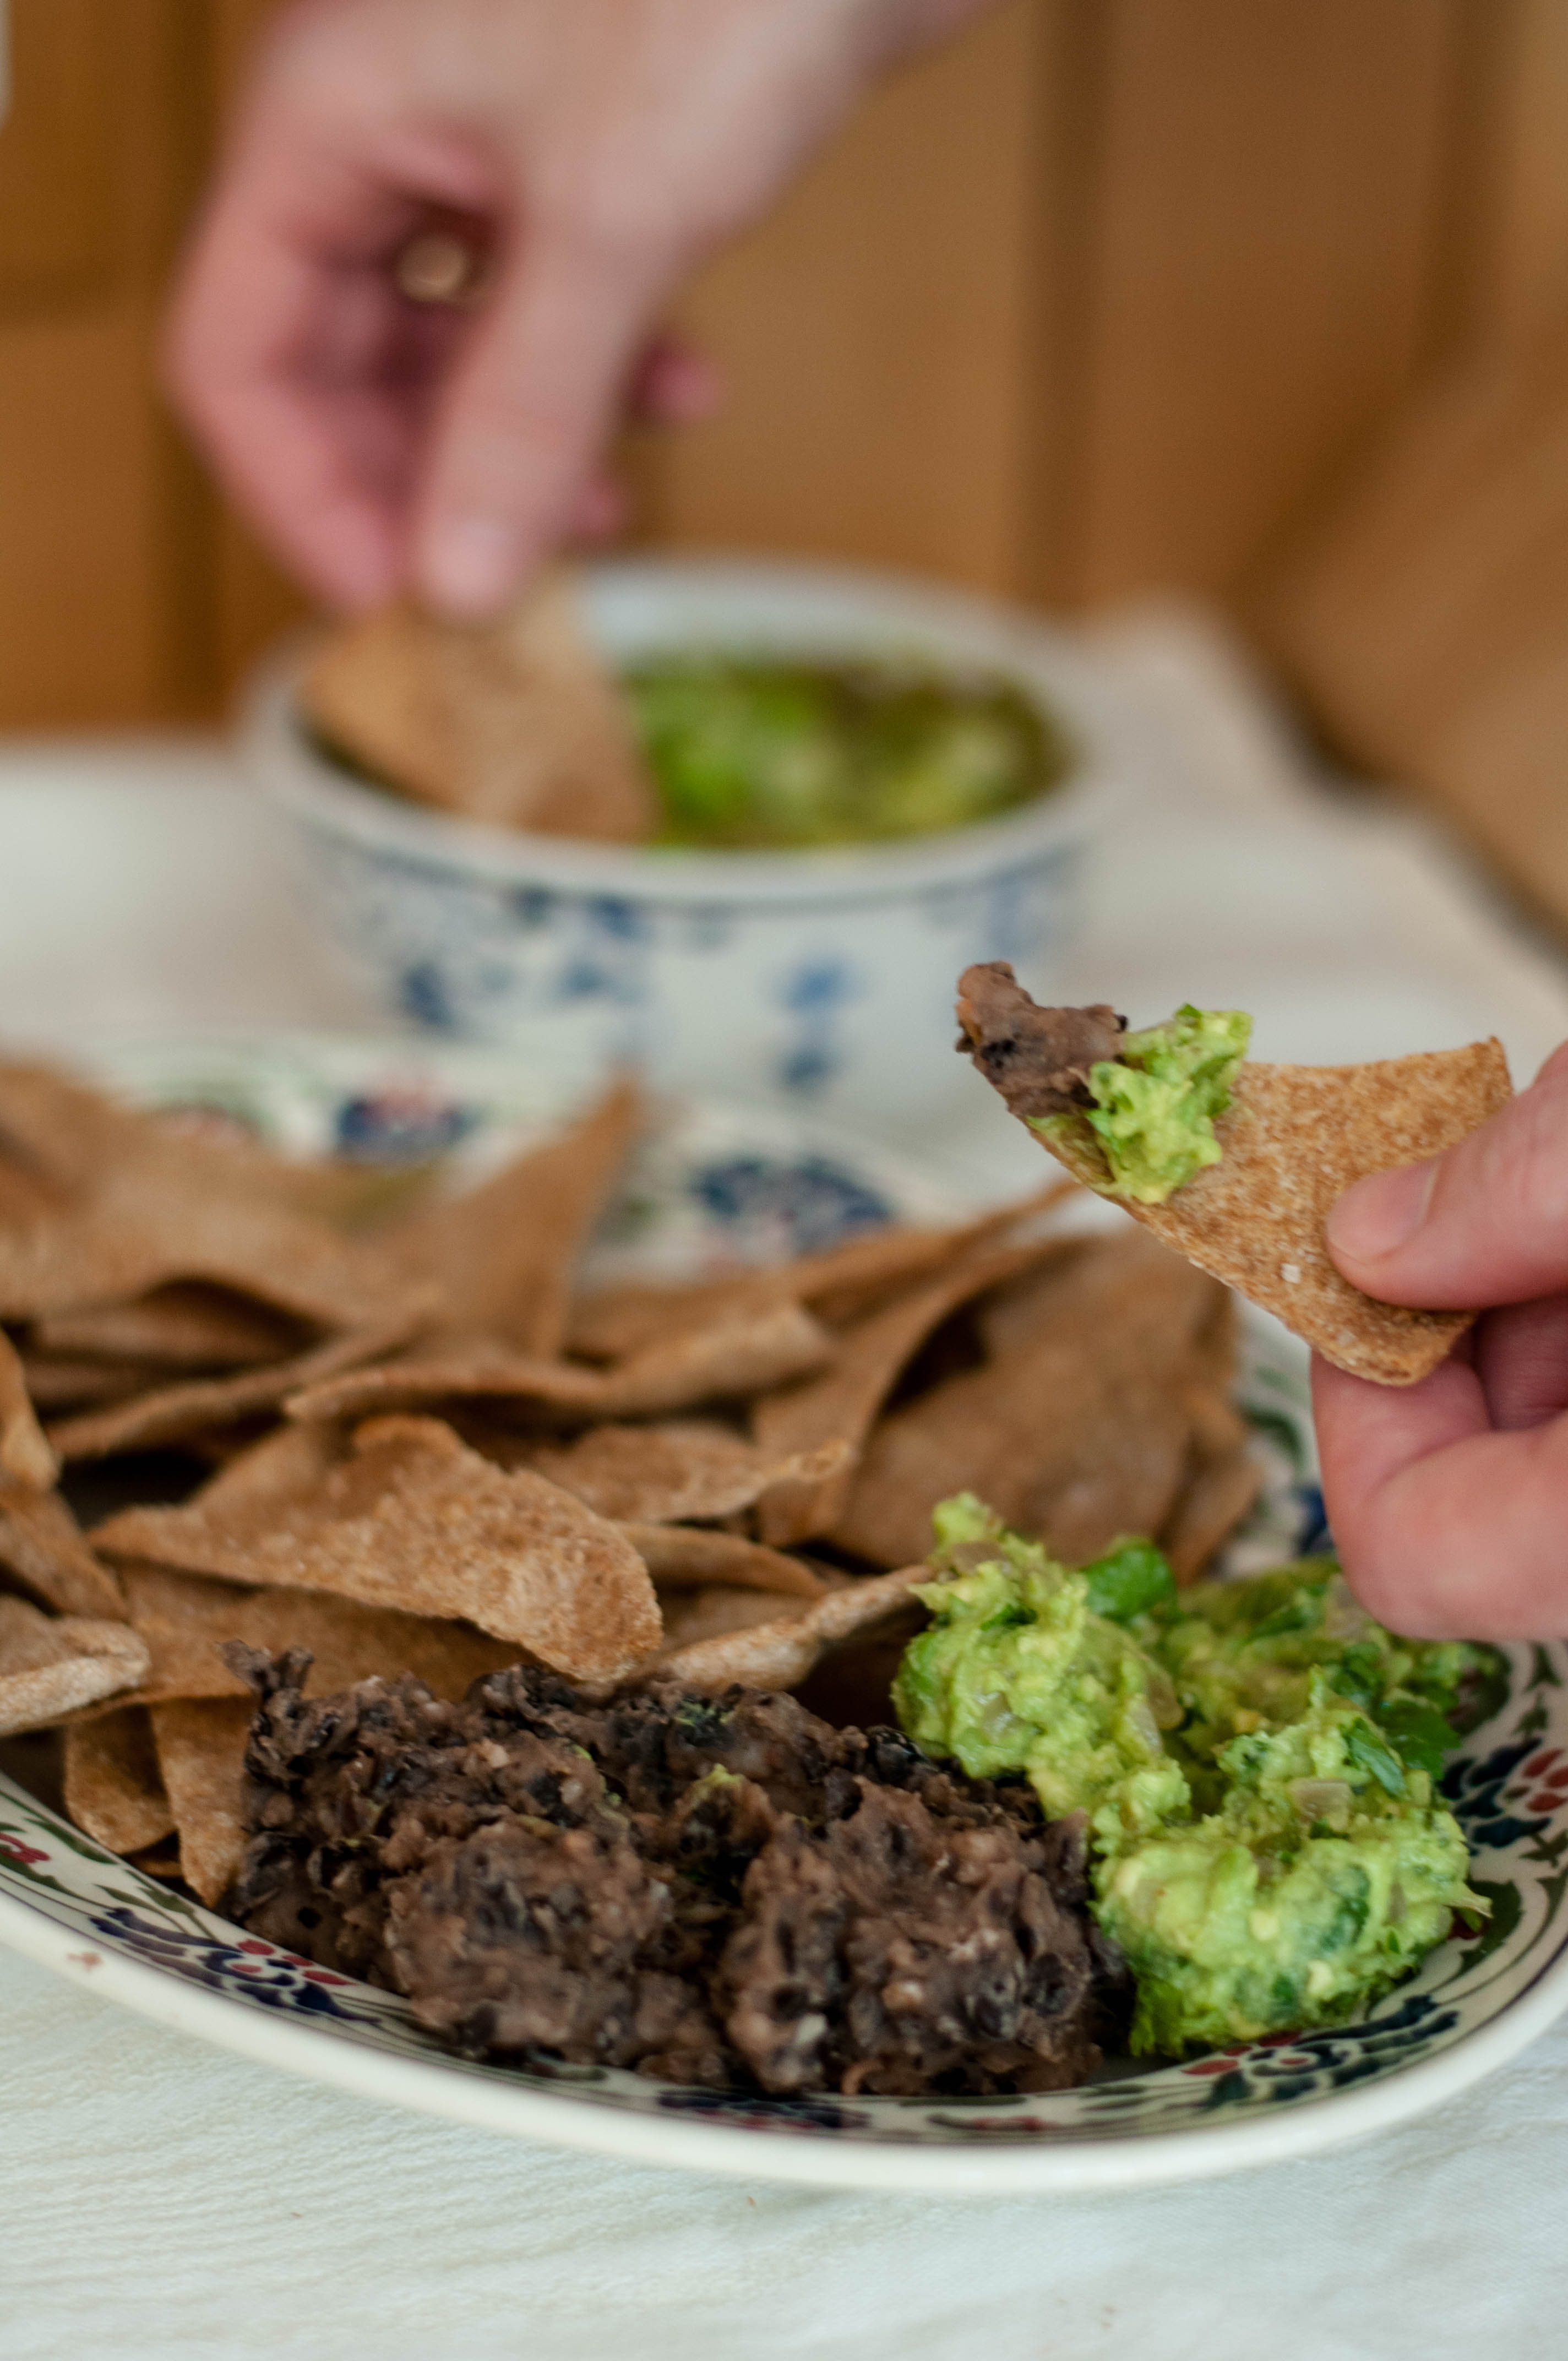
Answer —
722 1891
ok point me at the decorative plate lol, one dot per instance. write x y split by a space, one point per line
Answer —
719 1185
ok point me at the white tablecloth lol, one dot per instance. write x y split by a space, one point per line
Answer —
157 2198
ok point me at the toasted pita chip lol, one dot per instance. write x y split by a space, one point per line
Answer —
504 1254
60 1132
170 1413
726 1362
718 1608
1077 1433
50 1666
416 1521
113 1785
843 1283
201 1758
840 1406
681 1557
41 1543
187 1620
147 1209
25 1456
685 1469
517 723
1217 1498
175 1327
61 1383
1293 1140
776 1654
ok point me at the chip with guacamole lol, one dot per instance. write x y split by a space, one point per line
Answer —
1236 1164
1255 1759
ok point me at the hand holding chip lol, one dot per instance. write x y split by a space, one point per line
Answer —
1449 1498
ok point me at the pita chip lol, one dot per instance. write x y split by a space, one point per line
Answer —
726 1362
25 1456
517 723
840 1406
170 1413
780 1653
112 1786
414 1520
683 1557
41 1544
1293 1140
200 1758
685 1469
187 1620
502 1253
175 1327
53 1665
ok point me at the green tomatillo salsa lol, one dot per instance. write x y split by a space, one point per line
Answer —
758 753
1255 1759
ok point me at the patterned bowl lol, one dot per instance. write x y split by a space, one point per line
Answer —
714 1187
819 978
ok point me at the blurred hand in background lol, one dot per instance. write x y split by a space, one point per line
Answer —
592 152
1448 1499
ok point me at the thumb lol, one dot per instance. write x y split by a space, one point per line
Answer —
530 406
1486 1223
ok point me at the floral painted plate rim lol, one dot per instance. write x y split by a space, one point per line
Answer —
725 1182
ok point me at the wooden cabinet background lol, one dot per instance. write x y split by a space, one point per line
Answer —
1100 299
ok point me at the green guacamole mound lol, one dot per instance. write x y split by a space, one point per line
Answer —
1256 1760
1155 1104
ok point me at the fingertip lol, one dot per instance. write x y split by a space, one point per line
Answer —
468 565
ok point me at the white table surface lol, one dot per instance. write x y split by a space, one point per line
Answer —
158 2197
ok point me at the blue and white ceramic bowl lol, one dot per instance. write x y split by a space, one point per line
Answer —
822 979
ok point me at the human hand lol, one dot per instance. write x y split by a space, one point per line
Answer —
1449 1498
599 148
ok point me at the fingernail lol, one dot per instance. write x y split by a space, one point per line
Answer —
470 564
1381 1212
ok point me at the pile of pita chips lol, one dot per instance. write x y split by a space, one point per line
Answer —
1294 1139
516 723
429 1449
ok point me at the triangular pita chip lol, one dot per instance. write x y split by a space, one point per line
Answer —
169 1413
25 1456
41 1543
113 1785
187 1620
840 1406
1293 1140
778 1653
53 1665
503 1253
200 1757
413 1519
517 723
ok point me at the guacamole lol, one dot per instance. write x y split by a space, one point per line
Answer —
1256 1760
759 752
1153 1104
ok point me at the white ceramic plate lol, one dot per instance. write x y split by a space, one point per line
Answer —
719 1185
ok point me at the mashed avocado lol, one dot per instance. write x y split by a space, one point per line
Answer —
1154 1103
1256 1760
752 752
